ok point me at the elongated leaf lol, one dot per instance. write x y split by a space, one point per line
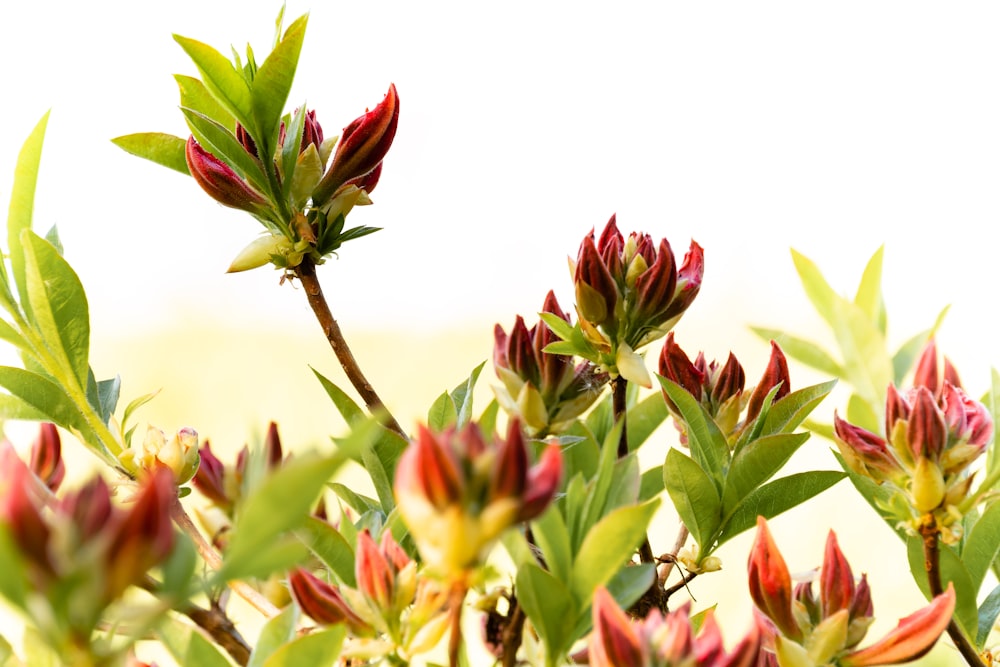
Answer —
273 81
14 584
869 295
37 651
381 478
194 95
164 149
108 392
329 546
552 537
993 404
609 544
651 483
316 649
802 350
10 335
12 407
345 405
276 632
786 415
281 503
988 612
708 445
461 397
982 546
442 413
822 296
22 205
952 570
290 150
58 305
861 412
694 496
775 497
595 504
645 418
221 78
548 604
756 463
43 395
188 646
357 502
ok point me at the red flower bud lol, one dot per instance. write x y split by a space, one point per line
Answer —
776 373
836 579
926 430
363 145
596 290
210 478
46 456
220 181
770 582
926 374
322 602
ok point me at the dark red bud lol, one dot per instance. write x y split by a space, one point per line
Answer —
220 181
776 373
46 456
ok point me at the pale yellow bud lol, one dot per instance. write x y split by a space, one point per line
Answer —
927 488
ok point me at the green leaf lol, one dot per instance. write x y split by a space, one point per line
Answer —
164 149
595 504
12 407
58 305
281 503
178 569
953 571
329 546
786 415
22 204
552 537
869 295
225 83
608 546
442 413
802 350
108 392
381 477
14 584
988 612
188 646
290 150
42 395
37 651
982 546
345 405
273 81
651 483
708 445
775 497
316 649
644 419
822 296
862 413
275 633
194 95
549 605
357 502
755 463
461 397
694 496
993 404
10 335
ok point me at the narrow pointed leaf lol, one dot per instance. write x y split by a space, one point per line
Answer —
276 632
988 612
908 352
952 570
316 649
786 415
552 536
608 546
869 295
548 604
708 445
802 350
461 397
756 463
221 78
164 149
223 144
188 646
345 405
43 395
194 95
58 305
644 418
694 496
329 546
775 497
22 205
822 296
273 82
982 546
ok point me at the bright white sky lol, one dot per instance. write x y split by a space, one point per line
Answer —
751 127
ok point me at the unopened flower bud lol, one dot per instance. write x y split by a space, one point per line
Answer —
220 181
46 456
927 487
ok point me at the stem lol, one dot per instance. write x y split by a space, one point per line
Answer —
682 536
214 561
306 273
929 532
619 388
681 584
458 591
512 633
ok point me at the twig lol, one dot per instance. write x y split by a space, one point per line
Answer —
512 634
619 387
214 561
306 273
929 532
682 536
685 580
458 590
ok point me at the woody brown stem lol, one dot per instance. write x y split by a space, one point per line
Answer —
512 633
929 533
306 273
458 591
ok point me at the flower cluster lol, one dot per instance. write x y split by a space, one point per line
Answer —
662 640
934 431
810 631
720 389
82 552
391 611
457 492
546 391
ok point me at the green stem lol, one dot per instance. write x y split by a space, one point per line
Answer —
929 532
306 273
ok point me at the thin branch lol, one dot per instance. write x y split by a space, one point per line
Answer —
685 580
512 634
306 273
682 536
458 591
929 532
214 561
619 389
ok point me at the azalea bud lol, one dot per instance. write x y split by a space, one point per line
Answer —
179 454
220 181
596 290
770 582
210 478
21 514
46 456
614 641
323 603
927 487
926 431
836 580
363 145
775 375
